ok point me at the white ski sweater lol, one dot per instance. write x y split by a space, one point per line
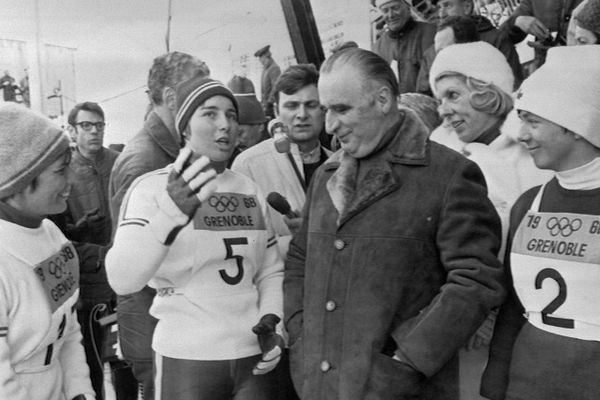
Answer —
41 356
220 275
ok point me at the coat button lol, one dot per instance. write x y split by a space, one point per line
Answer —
330 305
325 366
339 244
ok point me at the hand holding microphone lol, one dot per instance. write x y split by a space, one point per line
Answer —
281 205
291 218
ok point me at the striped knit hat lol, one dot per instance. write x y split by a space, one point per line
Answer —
192 93
29 143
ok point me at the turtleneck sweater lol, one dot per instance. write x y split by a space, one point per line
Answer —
585 177
41 356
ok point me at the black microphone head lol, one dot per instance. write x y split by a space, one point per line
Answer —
279 203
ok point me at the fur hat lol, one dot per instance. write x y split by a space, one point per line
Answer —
193 92
589 17
479 60
565 90
29 143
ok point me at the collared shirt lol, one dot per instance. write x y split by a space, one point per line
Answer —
312 156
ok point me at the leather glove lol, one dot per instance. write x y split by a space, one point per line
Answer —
187 180
271 344
190 182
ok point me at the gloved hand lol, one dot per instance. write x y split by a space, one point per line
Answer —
189 181
271 344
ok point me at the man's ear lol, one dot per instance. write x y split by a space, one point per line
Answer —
169 99
384 98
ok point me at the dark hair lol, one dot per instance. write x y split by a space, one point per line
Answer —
85 106
66 156
170 69
465 30
351 44
295 78
370 64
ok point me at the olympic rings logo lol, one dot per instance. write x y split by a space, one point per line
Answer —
223 203
563 225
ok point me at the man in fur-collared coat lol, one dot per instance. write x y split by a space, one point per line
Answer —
395 265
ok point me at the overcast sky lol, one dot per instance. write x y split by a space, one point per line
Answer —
116 41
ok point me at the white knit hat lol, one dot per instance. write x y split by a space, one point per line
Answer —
29 143
479 60
566 90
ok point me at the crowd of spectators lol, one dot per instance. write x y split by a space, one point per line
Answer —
418 221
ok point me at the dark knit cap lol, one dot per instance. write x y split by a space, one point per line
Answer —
251 112
29 143
192 93
589 16
240 85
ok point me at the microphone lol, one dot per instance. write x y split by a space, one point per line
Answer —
282 143
281 205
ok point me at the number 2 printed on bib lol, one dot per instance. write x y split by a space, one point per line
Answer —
555 263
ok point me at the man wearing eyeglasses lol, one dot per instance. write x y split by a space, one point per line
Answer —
287 170
90 172
87 223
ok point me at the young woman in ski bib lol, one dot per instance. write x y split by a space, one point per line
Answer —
547 339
